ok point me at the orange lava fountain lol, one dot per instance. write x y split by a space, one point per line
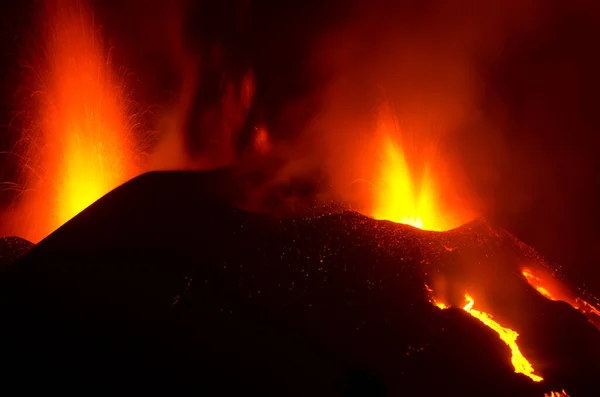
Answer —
408 190
398 199
507 335
81 146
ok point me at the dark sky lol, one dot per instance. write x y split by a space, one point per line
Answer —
543 92
530 154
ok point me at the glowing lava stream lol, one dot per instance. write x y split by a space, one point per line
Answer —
508 336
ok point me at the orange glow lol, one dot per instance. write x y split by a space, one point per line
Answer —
508 336
551 288
434 301
408 191
82 145
545 292
544 284
439 304
262 143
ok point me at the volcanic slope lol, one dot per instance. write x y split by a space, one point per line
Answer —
162 286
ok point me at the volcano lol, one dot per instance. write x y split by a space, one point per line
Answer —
161 285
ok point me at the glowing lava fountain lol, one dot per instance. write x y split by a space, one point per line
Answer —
398 201
81 142
408 190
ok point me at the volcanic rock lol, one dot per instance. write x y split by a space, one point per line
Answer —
11 248
162 286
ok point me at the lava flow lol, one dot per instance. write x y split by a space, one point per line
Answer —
80 144
552 289
546 285
508 336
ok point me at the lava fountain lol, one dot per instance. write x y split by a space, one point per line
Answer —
81 143
408 190
397 200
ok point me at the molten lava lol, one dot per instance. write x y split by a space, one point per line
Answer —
552 289
409 191
507 335
81 145
545 285
556 394
434 301
397 200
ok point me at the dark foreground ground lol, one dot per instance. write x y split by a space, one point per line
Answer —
162 287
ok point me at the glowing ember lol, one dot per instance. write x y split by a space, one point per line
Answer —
556 394
81 145
586 308
508 336
407 193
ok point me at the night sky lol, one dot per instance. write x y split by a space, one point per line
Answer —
528 138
